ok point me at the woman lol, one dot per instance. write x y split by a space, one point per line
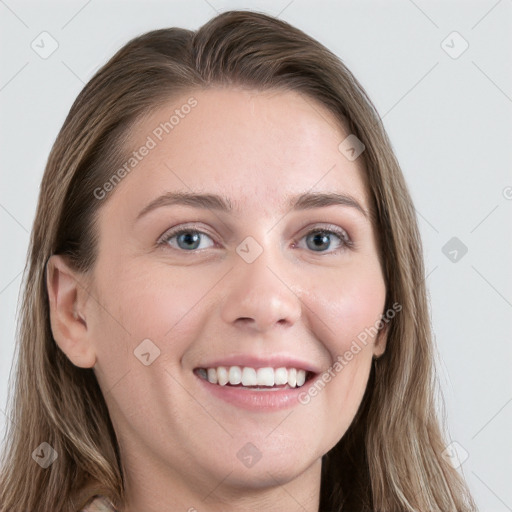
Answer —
252 371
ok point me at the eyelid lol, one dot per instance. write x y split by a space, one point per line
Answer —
323 226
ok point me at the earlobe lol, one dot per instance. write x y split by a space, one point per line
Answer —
379 346
67 300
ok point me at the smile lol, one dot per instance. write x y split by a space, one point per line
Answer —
255 378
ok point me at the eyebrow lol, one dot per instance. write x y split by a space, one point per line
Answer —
216 202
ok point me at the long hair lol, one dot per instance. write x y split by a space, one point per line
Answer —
390 459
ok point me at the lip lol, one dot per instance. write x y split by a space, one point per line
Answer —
273 361
259 401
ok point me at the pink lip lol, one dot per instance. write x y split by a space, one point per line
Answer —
273 361
262 401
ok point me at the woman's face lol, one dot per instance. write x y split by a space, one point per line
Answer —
243 286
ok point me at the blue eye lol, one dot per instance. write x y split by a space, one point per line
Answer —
323 238
189 239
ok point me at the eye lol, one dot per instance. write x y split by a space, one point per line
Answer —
322 239
190 239
187 239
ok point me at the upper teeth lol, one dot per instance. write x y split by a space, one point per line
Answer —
248 376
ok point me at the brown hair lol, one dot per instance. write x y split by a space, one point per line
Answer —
390 458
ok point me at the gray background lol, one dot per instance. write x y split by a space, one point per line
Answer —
449 116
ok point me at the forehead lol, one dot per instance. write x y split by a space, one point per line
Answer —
257 148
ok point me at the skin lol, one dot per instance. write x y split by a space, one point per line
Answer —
178 443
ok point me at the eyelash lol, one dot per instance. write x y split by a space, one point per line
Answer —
345 241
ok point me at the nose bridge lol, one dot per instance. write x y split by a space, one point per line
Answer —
259 293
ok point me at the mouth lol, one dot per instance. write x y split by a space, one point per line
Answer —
256 379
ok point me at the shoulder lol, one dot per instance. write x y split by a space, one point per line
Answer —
98 503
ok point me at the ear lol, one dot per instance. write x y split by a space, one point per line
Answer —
381 339
67 312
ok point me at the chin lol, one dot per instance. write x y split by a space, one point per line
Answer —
263 463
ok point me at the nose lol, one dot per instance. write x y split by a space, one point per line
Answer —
261 294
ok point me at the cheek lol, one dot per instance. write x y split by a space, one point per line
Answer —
138 305
346 389
348 304
148 302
